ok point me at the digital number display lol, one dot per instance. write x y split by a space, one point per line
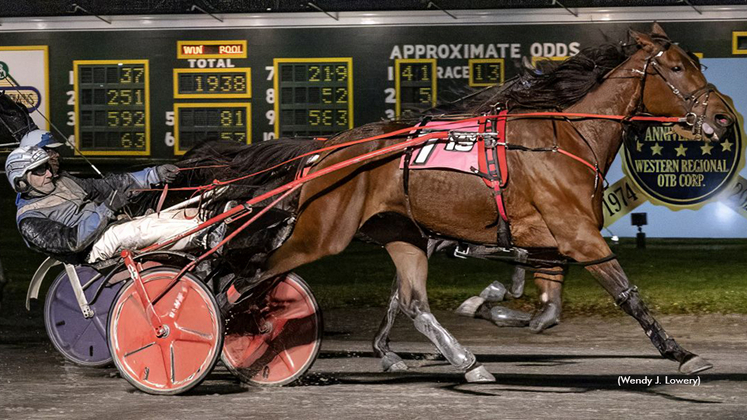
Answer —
211 49
486 72
212 83
195 123
111 107
314 96
415 84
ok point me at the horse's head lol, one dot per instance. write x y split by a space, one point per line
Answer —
673 85
15 120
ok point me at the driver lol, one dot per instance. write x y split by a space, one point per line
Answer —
74 219
45 140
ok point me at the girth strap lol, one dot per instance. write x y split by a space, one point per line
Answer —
492 158
406 179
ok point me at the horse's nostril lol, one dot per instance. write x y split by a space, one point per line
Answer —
723 120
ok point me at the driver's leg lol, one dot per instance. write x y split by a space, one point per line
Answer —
142 232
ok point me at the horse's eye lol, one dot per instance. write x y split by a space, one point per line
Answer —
676 68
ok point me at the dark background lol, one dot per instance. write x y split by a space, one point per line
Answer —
126 7
369 47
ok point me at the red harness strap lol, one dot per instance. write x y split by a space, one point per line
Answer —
491 157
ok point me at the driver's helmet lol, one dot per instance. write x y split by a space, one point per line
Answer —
39 138
20 161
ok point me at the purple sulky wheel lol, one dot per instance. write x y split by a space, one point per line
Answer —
80 340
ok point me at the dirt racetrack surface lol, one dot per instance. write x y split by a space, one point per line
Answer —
571 371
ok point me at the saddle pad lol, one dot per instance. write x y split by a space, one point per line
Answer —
440 154
463 156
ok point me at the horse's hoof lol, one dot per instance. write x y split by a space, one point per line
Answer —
393 363
470 306
479 374
694 365
548 317
505 317
495 292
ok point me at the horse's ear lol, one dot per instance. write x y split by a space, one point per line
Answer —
642 39
656 30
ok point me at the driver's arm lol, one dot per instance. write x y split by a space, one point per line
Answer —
52 237
99 189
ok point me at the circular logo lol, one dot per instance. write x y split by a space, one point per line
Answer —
3 70
677 171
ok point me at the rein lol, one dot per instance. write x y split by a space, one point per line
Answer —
291 186
434 127
438 131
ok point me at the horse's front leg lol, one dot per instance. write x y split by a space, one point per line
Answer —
611 276
486 306
584 243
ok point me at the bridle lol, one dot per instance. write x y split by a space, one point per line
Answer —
691 100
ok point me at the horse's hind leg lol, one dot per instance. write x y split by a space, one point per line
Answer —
324 228
485 305
390 361
550 285
412 272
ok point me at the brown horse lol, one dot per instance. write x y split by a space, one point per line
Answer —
552 201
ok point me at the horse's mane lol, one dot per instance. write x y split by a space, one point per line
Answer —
556 87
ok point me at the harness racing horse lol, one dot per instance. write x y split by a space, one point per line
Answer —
552 202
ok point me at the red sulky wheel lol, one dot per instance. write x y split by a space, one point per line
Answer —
275 341
185 355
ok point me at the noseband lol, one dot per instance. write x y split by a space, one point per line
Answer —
691 100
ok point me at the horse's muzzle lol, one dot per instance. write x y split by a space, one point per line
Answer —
724 120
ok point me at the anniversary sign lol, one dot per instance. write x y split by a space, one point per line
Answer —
679 172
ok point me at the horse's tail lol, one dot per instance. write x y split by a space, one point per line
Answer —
227 160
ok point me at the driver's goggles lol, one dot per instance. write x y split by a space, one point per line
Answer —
40 170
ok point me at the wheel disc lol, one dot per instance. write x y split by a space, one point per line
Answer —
81 340
275 341
186 353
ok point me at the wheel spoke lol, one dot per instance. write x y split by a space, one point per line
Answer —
100 325
68 305
130 353
167 355
291 308
287 360
80 336
186 334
